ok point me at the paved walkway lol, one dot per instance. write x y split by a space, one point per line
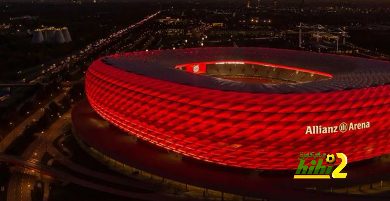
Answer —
92 129
57 174
64 160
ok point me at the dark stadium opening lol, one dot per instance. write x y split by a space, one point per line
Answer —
254 72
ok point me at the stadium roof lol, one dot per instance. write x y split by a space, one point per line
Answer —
348 72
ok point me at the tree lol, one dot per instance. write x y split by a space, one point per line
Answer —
54 108
65 104
77 91
4 173
26 108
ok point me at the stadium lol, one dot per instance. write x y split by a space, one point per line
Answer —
251 108
216 117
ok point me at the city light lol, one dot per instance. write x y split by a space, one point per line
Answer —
201 100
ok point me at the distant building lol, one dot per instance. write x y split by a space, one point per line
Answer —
169 20
51 35
217 24
58 36
5 26
241 32
174 32
24 17
66 33
248 4
38 37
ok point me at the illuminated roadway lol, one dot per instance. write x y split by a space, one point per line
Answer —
70 178
22 180
21 184
19 129
38 73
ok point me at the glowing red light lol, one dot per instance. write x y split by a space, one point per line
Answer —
250 130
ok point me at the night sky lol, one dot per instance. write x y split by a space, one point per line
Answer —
209 1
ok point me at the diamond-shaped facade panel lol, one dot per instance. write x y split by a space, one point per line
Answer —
260 126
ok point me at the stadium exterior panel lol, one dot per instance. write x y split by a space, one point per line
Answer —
189 101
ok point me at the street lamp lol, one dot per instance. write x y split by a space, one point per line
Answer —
12 124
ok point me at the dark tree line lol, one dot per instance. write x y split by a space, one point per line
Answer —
10 115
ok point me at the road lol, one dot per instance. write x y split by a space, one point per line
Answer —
35 152
23 180
21 190
20 184
37 149
38 74
20 128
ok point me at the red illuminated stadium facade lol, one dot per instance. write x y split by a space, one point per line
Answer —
251 108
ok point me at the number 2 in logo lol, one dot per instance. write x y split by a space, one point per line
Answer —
336 173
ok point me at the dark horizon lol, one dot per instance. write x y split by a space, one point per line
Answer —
206 1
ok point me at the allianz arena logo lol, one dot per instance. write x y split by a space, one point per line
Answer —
342 128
